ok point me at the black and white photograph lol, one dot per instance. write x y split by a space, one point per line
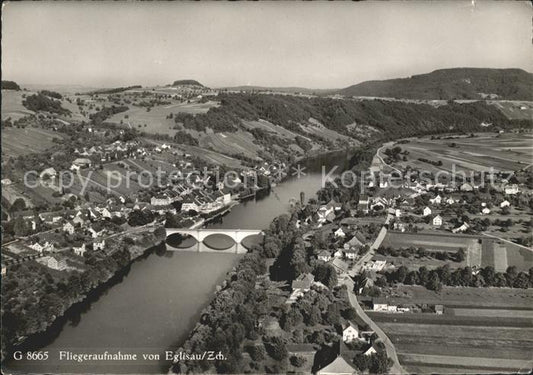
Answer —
269 187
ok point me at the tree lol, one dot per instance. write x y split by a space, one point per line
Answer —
423 275
20 227
333 314
257 352
275 347
18 205
326 274
297 361
511 275
460 255
434 282
380 363
298 260
349 313
362 362
401 274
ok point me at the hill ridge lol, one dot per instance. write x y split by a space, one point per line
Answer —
452 83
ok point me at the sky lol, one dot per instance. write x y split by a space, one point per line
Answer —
301 44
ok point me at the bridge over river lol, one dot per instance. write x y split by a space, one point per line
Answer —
202 236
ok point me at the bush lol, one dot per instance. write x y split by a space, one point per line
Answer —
297 361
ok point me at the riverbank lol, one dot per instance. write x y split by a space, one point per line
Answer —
120 253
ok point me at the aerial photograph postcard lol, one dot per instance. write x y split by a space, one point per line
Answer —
269 187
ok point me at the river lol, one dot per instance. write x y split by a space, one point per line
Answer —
152 306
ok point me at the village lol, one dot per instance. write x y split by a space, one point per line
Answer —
88 211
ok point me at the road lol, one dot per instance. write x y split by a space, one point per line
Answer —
383 161
389 346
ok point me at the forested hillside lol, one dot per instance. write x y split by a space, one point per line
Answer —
445 84
187 82
392 119
10 85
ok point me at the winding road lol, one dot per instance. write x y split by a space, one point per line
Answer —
383 161
389 346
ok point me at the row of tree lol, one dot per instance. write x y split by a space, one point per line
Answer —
466 276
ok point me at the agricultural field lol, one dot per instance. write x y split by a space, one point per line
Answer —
271 128
209 156
239 142
10 193
501 255
465 297
156 120
502 152
16 142
486 330
481 251
431 241
515 109
12 105
413 263
317 129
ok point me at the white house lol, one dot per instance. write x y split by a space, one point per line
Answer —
350 333
190 206
350 254
511 189
325 213
68 227
94 233
505 204
379 305
53 263
104 212
339 233
399 226
375 265
80 163
37 247
466 187
99 245
78 220
370 351
436 200
40 248
485 211
324 255
437 221
427 211
49 172
363 203
462 228
160 200
79 250
450 201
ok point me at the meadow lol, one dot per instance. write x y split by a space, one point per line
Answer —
502 152
481 251
431 241
156 119
12 105
16 142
